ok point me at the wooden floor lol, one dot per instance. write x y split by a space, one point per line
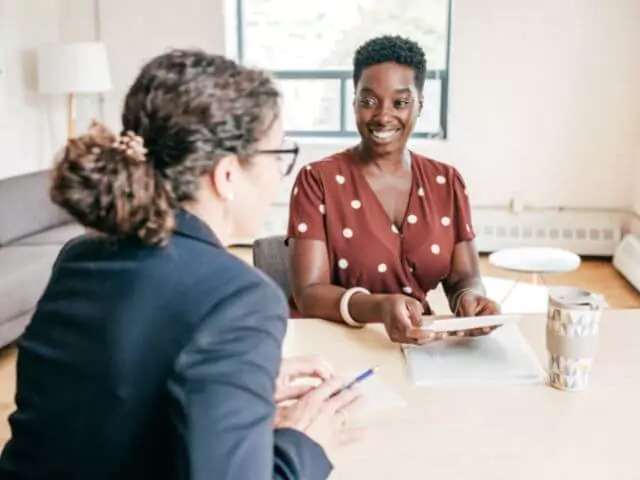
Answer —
595 275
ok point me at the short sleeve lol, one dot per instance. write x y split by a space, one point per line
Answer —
307 207
462 210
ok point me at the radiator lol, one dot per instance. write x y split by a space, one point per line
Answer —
584 233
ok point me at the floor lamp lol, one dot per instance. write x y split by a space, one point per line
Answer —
73 69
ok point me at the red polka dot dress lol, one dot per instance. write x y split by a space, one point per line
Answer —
333 202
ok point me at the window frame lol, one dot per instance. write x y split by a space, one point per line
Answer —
345 77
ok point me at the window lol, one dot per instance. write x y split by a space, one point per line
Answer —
309 48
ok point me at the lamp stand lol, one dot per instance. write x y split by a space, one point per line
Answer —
71 116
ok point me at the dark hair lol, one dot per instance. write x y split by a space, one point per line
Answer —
190 109
391 48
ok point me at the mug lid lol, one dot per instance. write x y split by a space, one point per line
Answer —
576 297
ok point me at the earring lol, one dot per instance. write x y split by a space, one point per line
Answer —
228 196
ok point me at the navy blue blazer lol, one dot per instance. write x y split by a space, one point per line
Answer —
154 363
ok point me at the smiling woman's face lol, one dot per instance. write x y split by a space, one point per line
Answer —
386 105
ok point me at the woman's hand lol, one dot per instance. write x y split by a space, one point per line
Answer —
474 305
402 318
300 367
323 416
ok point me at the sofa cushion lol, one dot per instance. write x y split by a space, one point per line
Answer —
24 275
10 330
53 236
26 206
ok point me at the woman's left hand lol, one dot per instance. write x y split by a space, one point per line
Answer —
473 305
293 368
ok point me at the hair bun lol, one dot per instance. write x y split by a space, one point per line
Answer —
105 182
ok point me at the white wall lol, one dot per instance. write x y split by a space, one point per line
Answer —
135 31
545 100
32 126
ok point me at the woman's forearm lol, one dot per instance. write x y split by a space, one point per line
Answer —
455 289
323 301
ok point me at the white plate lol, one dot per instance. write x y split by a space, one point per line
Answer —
452 324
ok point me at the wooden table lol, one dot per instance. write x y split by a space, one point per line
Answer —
491 432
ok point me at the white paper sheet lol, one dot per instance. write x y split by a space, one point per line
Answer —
501 357
377 396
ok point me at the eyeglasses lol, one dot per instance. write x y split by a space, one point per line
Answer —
287 156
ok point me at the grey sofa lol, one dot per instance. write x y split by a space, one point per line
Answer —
32 231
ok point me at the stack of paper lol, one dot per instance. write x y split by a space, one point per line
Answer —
504 356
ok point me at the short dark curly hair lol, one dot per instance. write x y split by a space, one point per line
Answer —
190 109
391 48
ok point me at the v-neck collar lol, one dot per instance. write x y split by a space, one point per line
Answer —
370 192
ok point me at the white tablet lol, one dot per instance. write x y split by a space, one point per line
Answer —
452 324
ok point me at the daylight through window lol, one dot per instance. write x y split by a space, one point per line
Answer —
309 47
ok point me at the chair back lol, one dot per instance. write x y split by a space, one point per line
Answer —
270 255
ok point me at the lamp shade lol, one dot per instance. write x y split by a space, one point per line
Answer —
73 68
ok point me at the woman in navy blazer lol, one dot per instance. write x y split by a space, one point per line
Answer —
153 352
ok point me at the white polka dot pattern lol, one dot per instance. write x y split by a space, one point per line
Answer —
412 219
446 221
295 190
421 192
407 290
343 263
302 227
435 249
394 229
441 180
347 233
322 209
382 268
340 179
308 167
356 204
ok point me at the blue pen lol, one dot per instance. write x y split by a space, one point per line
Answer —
363 376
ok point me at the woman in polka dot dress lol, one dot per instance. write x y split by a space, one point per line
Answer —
373 228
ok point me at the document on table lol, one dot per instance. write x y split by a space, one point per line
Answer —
504 356
377 395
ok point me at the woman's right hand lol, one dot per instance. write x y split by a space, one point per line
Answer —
322 416
402 318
